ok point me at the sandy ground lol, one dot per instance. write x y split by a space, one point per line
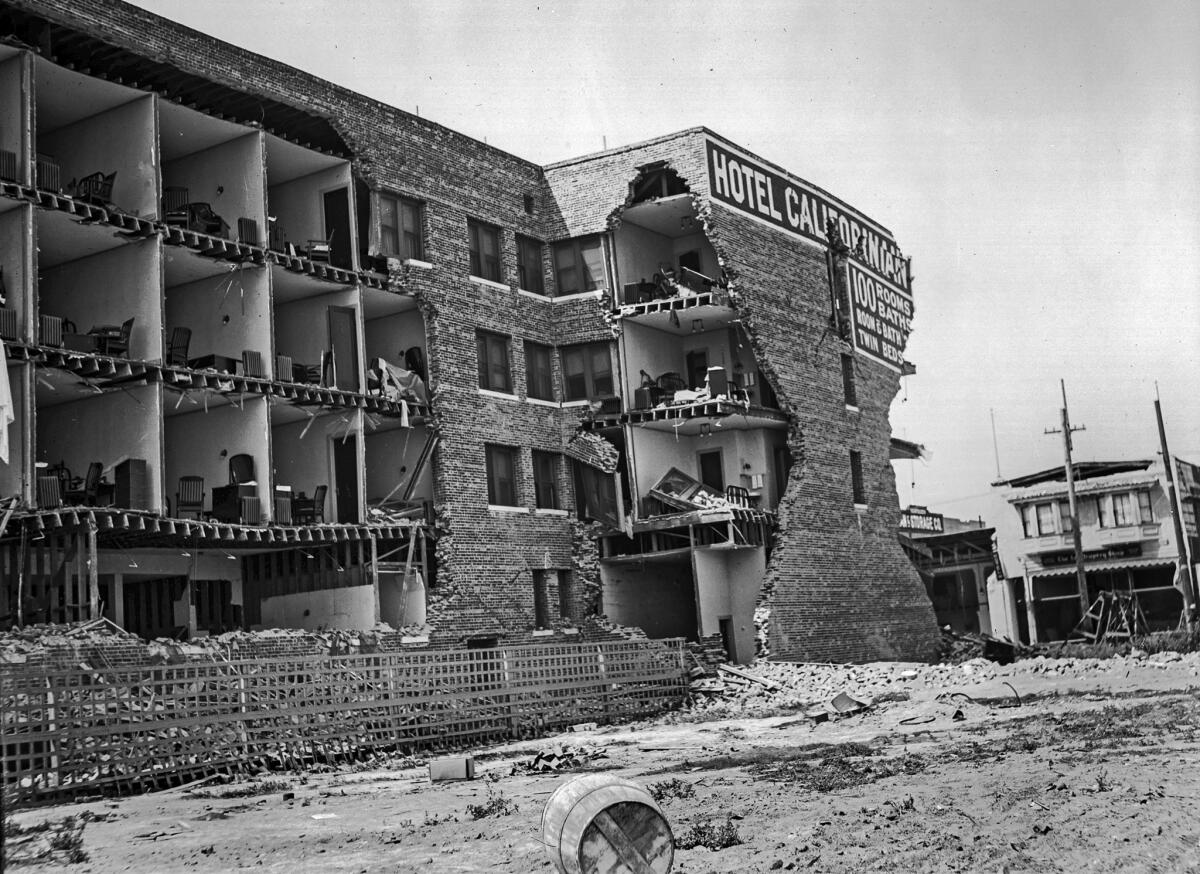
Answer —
1098 769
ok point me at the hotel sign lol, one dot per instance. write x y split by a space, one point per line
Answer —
880 286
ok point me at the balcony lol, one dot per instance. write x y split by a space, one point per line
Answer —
700 417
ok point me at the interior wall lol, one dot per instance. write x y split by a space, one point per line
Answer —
350 607
200 565
304 463
122 139
16 258
302 326
14 111
639 252
108 289
298 206
194 443
727 584
227 314
402 604
648 349
658 597
391 457
708 255
14 475
229 178
108 428
388 336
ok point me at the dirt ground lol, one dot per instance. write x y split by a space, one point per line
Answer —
1097 769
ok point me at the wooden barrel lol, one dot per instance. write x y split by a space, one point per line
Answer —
601 824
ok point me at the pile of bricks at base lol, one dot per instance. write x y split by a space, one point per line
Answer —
768 687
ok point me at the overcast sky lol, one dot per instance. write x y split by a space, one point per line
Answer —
1037 160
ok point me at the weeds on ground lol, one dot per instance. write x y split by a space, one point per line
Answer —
838 772
674 788
497 804
244 790
705 834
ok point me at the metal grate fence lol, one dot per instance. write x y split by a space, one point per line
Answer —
89 730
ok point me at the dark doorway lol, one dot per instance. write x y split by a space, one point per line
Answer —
726 624
149 605
343 340
712 472
337 226
345 478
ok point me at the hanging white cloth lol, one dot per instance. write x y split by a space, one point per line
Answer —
8 415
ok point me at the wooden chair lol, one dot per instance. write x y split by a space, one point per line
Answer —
319 250
310 510
190 497
95 189
175 206
177 351
49 492
114 342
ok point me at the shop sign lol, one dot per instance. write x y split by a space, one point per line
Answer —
920 519
1127 550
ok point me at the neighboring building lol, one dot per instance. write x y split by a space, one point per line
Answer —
651 383
1128 540
956 561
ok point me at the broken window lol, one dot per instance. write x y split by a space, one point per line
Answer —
501 475
400 227
484 243
529 265
587 371
539 373
545 480
494 371
579 265
566 596
596 495
856 478
654 181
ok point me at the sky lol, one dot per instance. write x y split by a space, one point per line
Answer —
1038 161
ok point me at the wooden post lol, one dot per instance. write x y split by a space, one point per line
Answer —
374 575
93 572
1184 565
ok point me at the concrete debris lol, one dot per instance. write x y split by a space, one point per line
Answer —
560 758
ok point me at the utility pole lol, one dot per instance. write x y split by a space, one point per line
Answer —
1185 567
1077 535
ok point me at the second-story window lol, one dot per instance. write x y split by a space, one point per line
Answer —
587 371
849 389
494 371
484 243
539 374
501 475
579 265
529 265
400 227
545 480
1048 517
1124 508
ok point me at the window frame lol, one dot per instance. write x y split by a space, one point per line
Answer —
541 458
493 452
478 262
530 274
849 388
486 343
588 374
575 247
858 484
532 373
403 234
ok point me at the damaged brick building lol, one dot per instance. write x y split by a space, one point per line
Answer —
650 384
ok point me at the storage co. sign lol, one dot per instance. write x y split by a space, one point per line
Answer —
879 279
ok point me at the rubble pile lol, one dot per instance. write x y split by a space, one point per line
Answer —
769 687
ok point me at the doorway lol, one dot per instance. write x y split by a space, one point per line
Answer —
345 478
343 341
712 470
337 226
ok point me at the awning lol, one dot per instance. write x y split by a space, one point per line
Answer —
1069 570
